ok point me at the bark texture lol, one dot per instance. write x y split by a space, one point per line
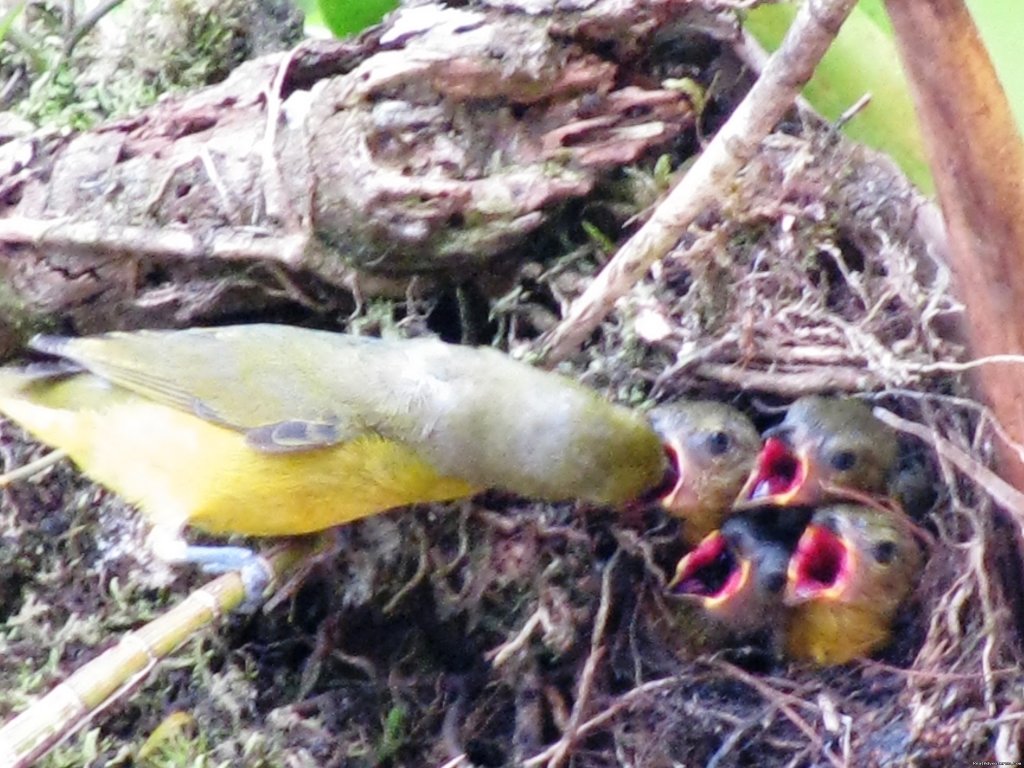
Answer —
433 146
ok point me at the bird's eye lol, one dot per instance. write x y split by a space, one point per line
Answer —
884 552
842 460
718 443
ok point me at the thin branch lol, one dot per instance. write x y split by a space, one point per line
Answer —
558 753
97 685
784 702
1004 494
32 468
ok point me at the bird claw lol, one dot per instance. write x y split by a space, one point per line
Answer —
251 567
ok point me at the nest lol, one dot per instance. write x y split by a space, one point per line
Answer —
497 631
815 280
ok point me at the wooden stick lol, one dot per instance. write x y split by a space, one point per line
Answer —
977 160
32 468
119 670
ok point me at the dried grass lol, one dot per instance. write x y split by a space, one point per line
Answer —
814 279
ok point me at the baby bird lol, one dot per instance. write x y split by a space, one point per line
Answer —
737 575
825 448
713 447
852 569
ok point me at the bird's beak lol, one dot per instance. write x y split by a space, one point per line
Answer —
681 494
670 480
821 566
782 477
712 572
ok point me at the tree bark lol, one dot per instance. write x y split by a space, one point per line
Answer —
978 162
431 147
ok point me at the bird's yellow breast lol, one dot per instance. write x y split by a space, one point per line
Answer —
182 470
828 633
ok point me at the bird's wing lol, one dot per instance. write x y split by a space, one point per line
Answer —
279 385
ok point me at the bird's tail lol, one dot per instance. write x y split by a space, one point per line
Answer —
51 399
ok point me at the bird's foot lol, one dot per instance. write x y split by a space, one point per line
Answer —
252 568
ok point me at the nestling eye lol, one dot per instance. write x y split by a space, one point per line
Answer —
842 460
718 443
884 552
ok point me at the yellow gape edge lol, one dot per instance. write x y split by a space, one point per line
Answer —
852 569
823 448
714 447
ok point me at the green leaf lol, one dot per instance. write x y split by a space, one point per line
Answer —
863 59
8 19
348 17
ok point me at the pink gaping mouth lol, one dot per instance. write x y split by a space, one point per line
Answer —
779 475
711 571
820 566
675 494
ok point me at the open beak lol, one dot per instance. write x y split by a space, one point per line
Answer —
782 477
712 572
665 488
821 566
680 495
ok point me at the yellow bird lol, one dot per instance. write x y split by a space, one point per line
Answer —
852 569
825 448
714 447
270 430
736 576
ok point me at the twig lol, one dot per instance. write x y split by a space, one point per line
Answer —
623 702
853 110
422 571
733 739
104 680
786 72
984 412
791 383
557 754
277 203
952 366
226 243
1004 494
504 652
85 26
938 677
32 468
782 701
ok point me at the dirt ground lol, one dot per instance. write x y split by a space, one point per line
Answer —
483 632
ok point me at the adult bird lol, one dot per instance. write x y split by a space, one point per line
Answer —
271 430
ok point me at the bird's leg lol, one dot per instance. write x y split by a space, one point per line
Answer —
167 543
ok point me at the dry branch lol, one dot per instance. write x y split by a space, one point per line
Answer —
120 670
980 185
